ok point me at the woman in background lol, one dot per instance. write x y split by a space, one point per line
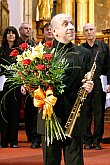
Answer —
10 105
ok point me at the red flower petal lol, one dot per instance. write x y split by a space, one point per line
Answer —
40 67
23 46
14 53
26 62
48 56
48 44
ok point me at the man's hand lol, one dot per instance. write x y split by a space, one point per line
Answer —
88 85
108 88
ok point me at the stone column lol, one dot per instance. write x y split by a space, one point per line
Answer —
67 7
30 12
91 11
27 12
82 13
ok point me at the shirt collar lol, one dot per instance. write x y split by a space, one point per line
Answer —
95 43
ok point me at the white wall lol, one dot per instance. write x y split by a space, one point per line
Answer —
16 12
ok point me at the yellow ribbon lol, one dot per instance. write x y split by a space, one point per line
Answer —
45 100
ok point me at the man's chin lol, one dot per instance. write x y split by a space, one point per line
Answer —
90 37
27 36
71 38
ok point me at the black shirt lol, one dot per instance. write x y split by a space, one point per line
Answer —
103 58
5 57
29 42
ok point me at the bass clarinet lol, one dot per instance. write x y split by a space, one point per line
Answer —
82 94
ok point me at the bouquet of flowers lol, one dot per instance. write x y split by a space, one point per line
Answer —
41 72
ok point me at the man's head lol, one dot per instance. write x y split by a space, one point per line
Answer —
63 28
89 31
25 30
47 31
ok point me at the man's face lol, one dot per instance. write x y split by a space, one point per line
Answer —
48 33
64 31
89 31
25 30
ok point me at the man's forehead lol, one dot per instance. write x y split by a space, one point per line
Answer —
26 25
47 27
88 26
65 19
59 19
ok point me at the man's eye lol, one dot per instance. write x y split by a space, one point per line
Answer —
65 23
88 30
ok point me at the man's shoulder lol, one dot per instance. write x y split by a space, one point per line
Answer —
20 39
29 41
83 52
102 43
82 49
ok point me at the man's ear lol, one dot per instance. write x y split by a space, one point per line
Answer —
54 32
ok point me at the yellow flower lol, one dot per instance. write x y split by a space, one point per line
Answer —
39 47
37 51
32 54
28 54
19 58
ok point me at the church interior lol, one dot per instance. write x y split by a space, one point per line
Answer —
37 13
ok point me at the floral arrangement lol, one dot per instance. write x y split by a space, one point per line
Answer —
41 72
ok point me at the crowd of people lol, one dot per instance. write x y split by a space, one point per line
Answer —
60 30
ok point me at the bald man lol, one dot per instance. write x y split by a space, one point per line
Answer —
64 32
96 100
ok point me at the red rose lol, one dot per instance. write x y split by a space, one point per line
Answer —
48 56
26 62
48 44
14 53
40 67
23 46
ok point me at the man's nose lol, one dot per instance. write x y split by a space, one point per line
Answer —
28 29
50 31
71 26
89 30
